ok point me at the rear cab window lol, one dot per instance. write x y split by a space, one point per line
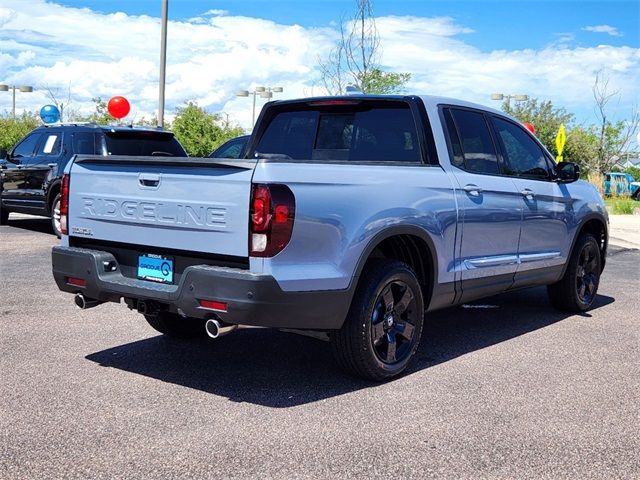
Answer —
342 130
143 143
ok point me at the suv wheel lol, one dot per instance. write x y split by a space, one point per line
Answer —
383 327
577 289
55 216
173 325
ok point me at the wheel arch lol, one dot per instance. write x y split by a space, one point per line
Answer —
52 190
596 225
409 244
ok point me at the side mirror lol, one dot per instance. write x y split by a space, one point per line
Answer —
3 154
568 172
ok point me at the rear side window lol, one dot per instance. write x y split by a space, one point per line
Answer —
84 143
473 142
380 133
522 155
143 144
51 144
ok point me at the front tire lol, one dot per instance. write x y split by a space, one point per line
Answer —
577 289
55 216
383 327
175 326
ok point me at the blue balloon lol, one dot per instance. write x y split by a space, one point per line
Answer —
49 114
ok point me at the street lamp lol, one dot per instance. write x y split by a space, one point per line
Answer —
24 88
264 92
501 96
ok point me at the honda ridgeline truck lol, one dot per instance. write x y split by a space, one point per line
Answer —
351 216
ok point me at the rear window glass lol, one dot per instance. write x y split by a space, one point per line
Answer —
370 133
144 144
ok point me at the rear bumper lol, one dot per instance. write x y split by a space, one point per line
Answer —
253 299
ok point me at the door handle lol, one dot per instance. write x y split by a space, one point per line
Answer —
149 180
528 193
472 190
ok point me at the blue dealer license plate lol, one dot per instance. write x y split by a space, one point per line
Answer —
156 268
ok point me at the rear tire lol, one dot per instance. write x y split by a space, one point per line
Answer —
383 327
175 326
55 216
577 289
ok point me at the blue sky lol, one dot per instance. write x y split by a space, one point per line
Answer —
497 24
467 49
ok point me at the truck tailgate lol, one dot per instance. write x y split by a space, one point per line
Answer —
194 204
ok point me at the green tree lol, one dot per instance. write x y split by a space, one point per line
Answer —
201 132
634 172
100 115
377 81
543 116
354 59
12 131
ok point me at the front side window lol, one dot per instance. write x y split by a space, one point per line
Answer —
523 157
380 133
27 146
474 142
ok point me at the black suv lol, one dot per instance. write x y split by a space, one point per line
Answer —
31 173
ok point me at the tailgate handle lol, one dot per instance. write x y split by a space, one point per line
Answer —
149 180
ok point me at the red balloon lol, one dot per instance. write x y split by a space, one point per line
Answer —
118 107
530 127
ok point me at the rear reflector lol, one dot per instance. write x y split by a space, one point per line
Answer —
76 282
214 305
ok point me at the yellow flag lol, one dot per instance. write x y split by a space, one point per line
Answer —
561 139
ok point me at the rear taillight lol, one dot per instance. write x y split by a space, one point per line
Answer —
273 210
64 205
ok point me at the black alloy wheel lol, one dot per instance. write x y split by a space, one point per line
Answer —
588 273
382 330
577 289
393 323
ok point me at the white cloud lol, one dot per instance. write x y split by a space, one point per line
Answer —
216 12
608 29
208 59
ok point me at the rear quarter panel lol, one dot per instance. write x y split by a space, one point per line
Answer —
340 208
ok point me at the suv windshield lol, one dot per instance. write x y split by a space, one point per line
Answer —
143 143
368 131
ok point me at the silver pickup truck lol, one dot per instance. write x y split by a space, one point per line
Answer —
351 216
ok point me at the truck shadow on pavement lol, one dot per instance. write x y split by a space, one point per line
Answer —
279 370
31 223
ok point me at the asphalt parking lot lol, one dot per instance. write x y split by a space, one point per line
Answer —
507 389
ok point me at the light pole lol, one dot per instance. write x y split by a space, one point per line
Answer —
264 92
163 61
501 96
23 88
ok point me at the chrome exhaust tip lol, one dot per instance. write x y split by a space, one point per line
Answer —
215 329
83 302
